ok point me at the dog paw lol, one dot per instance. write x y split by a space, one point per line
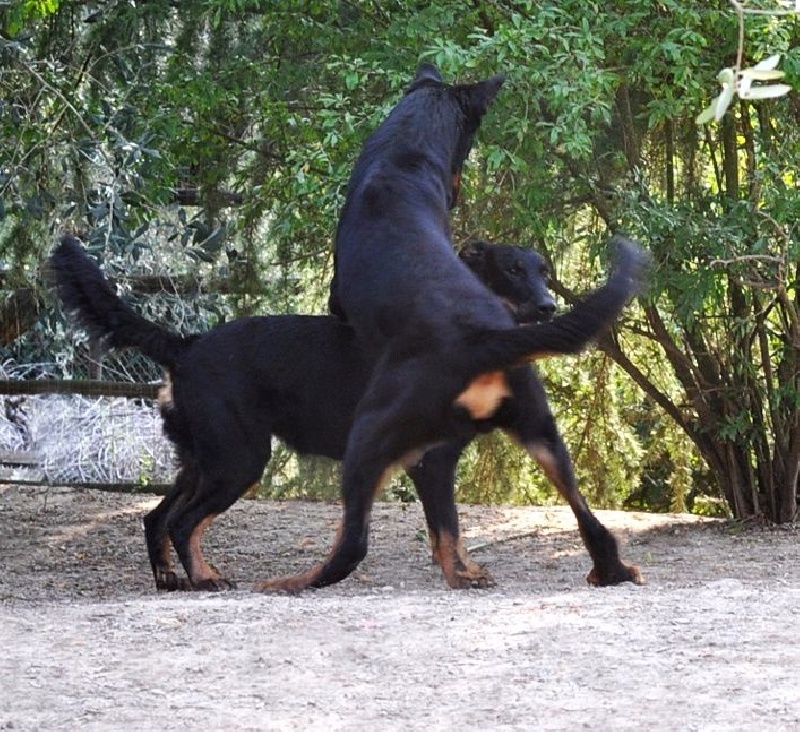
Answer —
474 578
215 584
169 581
292 583
285 585
604 577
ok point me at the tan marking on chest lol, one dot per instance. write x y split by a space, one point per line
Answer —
484 394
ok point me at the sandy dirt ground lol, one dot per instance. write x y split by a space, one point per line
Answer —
710 643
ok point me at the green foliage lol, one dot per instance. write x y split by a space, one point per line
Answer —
24 12
256 111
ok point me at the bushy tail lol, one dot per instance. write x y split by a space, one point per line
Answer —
91 302
568 333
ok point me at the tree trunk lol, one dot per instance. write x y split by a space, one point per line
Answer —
18 312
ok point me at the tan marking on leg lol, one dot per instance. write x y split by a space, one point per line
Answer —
436 550
165 576
304 580
484 394
166 564
202 571
459 571
547 461
164 553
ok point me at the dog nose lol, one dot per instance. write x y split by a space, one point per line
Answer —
546 310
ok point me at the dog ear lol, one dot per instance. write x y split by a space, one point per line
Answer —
427 72
482 94
427 75
473 254
474 99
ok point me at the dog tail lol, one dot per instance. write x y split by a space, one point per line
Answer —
568 333
92 303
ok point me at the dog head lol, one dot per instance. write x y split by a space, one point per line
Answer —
446 118
516 275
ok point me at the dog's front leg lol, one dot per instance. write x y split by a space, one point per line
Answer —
607 567
434 479
529 421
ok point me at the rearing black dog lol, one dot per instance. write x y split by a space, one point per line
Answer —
298 377
447 351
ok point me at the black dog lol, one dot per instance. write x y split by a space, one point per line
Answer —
446 350
228 391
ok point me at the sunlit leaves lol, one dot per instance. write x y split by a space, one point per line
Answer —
23 12
745 84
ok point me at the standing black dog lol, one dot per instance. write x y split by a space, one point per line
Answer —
446 350
298 377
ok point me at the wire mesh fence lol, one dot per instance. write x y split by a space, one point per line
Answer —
84 439
92 435
100 440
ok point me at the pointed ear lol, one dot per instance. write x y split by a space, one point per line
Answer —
427 75
427 72
483 93
473 254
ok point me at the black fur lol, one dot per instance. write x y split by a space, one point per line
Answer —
445 347
298 377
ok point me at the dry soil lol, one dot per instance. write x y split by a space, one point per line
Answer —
710 643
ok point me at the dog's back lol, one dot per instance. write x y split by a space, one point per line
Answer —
395 262
298 377
397 278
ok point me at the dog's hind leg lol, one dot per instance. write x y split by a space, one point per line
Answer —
360 482
383 435
434 479
213 495
156 532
